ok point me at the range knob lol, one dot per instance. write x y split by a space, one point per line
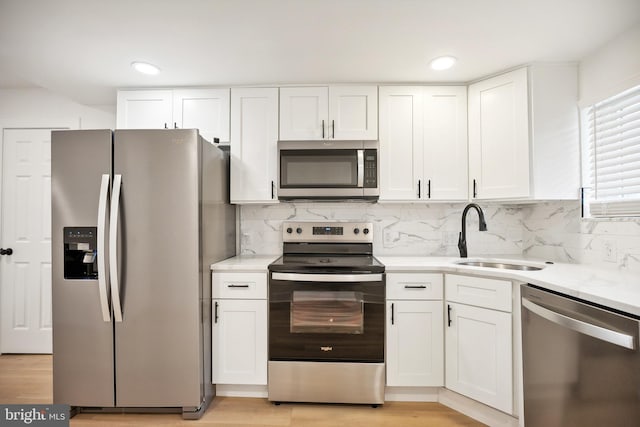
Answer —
365 231
289 230
356 230
299 230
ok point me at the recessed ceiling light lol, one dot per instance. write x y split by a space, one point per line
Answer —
145 68
443 62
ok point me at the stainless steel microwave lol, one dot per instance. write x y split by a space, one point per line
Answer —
328 170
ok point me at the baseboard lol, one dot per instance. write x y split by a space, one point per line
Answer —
411 394
241 390
476 410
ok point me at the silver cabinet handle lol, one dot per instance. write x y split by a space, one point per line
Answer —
103 274
113 248
360 168
604 334
300 277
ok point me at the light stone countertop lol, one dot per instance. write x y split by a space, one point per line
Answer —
611 288
245 263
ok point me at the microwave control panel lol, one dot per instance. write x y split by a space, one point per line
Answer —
370 168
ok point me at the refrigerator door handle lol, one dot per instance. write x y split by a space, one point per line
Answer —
102 271
113 248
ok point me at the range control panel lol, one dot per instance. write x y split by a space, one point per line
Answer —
338 231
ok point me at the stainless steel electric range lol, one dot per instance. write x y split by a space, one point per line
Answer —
326 315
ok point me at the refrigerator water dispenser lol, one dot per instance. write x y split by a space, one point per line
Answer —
80 253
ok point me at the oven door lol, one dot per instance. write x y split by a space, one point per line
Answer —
326 317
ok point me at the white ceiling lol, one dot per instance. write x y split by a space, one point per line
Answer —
83 48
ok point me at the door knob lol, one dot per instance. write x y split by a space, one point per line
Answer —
7 251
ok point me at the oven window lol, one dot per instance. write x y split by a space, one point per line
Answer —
318 168
339 312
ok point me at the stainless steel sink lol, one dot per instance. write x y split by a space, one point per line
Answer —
504 265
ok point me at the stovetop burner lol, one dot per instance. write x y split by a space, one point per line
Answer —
327 247
338 263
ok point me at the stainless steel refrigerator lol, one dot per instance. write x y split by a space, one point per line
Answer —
137 218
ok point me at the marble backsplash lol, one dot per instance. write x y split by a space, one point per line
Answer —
551 231
556 231
398 229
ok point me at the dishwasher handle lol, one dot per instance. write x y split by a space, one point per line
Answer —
604 334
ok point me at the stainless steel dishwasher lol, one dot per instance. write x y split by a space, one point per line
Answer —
581 364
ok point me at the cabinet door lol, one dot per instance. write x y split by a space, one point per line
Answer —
144 109
400 142
304 113
445 143
479 355
353 112
239 339
499 136
254 149
415 344
203 109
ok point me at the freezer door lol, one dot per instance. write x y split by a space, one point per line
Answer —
82 330
158 344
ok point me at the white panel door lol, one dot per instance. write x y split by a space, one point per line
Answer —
254 145
239 339
204 109
445 143
304 113
144 109
499 136
400 142
415 343
353 112
25 275
479 355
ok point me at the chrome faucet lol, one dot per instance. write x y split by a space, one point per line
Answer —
462 238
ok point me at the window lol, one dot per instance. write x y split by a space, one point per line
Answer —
611 155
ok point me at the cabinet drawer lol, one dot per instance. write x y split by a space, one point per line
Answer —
239 285
418 286
479 291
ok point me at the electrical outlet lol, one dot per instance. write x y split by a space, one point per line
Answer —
610 251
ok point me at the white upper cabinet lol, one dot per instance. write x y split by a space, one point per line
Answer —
254 150
523 134
144 109
400 142
204 109
423 143
327 113
353 112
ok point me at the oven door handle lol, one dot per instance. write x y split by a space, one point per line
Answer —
300 277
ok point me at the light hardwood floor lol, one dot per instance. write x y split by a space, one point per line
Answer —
27 379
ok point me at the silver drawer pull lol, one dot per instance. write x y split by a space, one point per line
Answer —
237 286
415 287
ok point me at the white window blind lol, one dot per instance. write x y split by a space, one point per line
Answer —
613 155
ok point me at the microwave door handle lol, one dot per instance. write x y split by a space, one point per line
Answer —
360 168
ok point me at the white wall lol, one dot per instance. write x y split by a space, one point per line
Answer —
612 68
41 108
556 231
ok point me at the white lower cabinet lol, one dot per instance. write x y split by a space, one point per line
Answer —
414 330
239 330
479 344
